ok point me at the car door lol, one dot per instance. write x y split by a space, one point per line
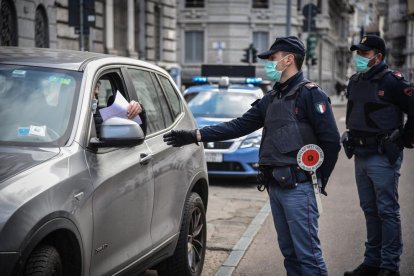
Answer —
122 201
170 165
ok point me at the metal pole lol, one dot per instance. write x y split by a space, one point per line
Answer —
81 25
288 17
320 61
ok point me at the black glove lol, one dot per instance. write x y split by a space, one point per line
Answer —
178 138
324 183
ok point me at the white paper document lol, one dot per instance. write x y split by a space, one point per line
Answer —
118 109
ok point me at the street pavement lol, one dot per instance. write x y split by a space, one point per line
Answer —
342 224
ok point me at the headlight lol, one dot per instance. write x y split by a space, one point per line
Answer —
251 142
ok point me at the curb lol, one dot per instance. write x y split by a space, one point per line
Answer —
240 248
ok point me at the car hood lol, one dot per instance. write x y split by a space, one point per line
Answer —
14 160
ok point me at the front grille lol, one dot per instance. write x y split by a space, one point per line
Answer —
225 166
217 145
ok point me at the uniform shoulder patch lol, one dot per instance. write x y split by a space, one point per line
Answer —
398 75
320 107
311 85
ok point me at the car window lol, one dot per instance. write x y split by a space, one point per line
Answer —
148 97
37 104
105 92
165 107
172 96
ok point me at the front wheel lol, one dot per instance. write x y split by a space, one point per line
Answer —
44 260
189 254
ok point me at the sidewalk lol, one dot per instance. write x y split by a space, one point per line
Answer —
338 100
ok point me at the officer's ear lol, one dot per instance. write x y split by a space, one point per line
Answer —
290 59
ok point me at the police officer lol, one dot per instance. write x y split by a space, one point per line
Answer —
294 113
377 97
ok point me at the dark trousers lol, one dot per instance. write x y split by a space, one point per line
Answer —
377 183
295 216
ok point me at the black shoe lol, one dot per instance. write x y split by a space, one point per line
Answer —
386 272
364 270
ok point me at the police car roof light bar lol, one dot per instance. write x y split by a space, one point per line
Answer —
225 81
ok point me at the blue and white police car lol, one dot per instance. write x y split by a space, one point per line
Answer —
222 99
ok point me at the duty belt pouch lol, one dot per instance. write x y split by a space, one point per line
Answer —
285 177
347 144
391 150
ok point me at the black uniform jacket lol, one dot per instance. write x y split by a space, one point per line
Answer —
312 106
395 89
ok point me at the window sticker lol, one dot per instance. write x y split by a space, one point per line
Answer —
37 131
23 131
61 80
31 131
19 73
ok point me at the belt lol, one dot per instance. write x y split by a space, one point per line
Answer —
365 141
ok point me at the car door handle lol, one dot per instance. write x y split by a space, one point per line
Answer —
145 158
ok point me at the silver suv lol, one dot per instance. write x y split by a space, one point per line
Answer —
81 197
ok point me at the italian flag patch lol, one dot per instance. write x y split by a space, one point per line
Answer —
320 107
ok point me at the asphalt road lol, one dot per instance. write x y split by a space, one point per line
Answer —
342 225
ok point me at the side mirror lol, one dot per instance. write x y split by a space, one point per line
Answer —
119 132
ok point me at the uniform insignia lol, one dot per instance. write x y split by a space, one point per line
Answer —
409 91
311 85
320 107
381 93
363 39
397 74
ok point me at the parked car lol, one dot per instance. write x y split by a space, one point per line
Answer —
76 203
220 100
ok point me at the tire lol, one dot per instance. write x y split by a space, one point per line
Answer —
44 261
189 254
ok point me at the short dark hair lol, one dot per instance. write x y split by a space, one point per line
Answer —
298 59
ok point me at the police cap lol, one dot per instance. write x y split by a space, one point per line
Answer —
290 44
370 42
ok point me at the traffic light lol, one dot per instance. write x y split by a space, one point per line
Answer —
246 56
311 47
254 53
309 12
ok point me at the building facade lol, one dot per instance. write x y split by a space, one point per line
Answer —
218 32
409 46
144 29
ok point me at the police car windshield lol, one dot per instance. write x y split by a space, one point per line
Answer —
220 104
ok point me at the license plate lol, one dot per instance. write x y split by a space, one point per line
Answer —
214 157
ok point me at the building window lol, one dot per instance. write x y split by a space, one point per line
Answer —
194 46
8 24
260 4
157 33
194 3
261 41
41 28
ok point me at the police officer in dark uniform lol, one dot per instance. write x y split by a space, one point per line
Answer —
295 113
377 98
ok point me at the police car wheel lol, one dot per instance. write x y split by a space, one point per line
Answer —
189 254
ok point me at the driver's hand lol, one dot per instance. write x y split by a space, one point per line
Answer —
134 109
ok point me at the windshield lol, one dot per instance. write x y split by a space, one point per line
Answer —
220 104
36 105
